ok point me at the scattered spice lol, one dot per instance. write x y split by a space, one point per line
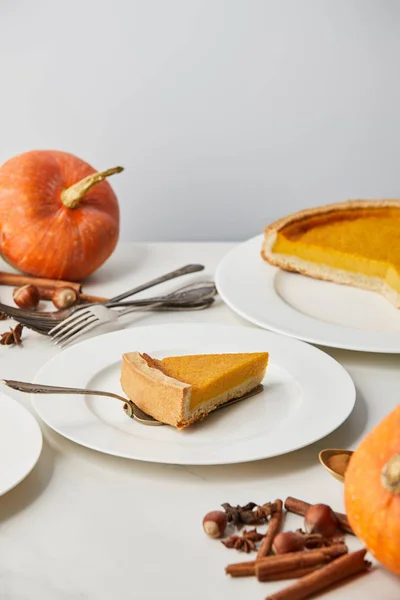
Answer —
324 577
293 541
298 507
338 463
320 518
249 514
27 296
248 569
316 540
286 563
316 560
11 337
283 564
3 317
245 542
274 526
295 574
214 523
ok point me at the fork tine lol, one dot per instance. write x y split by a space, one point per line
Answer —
13 310
23 319
10 311
35 326
70 329
70 320
84 329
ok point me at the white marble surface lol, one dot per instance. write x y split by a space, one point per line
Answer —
84 525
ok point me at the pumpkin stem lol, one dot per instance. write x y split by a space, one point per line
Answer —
391 474
74 194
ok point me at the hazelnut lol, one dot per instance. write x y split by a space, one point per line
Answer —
320 518
214 523
64 297
26 296
288 541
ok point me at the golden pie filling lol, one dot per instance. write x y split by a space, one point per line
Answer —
393 278
211 375
368 244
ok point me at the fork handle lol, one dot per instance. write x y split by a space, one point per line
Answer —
177 273
130 407
33 388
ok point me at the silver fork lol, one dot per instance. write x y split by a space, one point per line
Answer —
58 315
97 315
44 329
130 408
194 292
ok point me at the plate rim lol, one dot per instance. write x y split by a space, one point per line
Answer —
357 346
347 381
37 444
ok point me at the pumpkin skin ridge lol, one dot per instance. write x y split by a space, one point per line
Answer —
372 510
64 260
36 246
26 204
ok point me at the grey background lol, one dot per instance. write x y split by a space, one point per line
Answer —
225 114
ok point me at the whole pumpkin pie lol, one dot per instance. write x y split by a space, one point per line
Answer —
179 390
353 243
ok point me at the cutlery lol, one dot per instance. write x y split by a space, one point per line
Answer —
130 408
194 296
59 315
74 326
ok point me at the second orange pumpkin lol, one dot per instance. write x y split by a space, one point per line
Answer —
372 491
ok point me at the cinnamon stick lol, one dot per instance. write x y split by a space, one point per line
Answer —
318 580
17 280
46 293
296 574
298 507
248 568
243 569
88 298
274 526
286 563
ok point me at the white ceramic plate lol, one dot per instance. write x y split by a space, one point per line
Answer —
315 311
307 395
20 443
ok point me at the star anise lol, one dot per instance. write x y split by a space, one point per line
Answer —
239 515
249 514
244 543
11 337
262 513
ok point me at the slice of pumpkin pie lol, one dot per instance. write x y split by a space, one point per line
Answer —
179 390
353 243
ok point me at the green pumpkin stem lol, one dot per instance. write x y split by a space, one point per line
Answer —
391 474
72 196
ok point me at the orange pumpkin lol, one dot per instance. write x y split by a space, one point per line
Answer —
372 491
58 217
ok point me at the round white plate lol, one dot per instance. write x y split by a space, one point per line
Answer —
307 395
20 443
315 311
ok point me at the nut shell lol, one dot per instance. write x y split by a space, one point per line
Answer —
64 297
214 523
288 541
320 518
27 296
